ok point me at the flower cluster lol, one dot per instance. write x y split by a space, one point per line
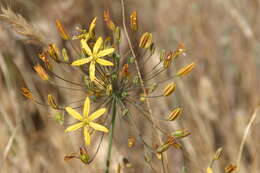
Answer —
112 79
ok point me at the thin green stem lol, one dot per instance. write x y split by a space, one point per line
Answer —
111 134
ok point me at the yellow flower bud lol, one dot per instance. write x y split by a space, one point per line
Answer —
134 21
230 168
27 93
108 20
62 30
169 89
180 133
131 142
218 154
52 102
186 70
41 72
53 52
175 113
146 40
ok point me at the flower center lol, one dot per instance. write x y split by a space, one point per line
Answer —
86 122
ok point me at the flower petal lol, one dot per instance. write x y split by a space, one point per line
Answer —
81 61
85 46
104 62
74 127
74 113
105 52
97 45
92 71
98 127
86 136
86 107
97 114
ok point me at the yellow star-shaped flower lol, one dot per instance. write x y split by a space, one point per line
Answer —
86 121
95 56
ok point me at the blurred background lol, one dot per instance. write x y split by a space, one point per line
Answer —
218 98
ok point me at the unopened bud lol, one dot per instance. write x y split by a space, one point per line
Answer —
169 89
146 40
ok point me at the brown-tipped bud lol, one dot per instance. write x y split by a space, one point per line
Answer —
41 72
27 93
230 168
169 89
62 30
167 60
52 102
125 71
186 70
134 21
65 55
108 20
53 52
180 133
69 157
162 148
175 113
173 141
45 59
218 154
179 51
131 142
146 40
84 157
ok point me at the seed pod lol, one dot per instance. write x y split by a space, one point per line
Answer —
186 70
108 20
62 30
169 89
84 157
27 93
52 102
41 72
218 154
131 142
230 168
134 21
146 40
175 113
